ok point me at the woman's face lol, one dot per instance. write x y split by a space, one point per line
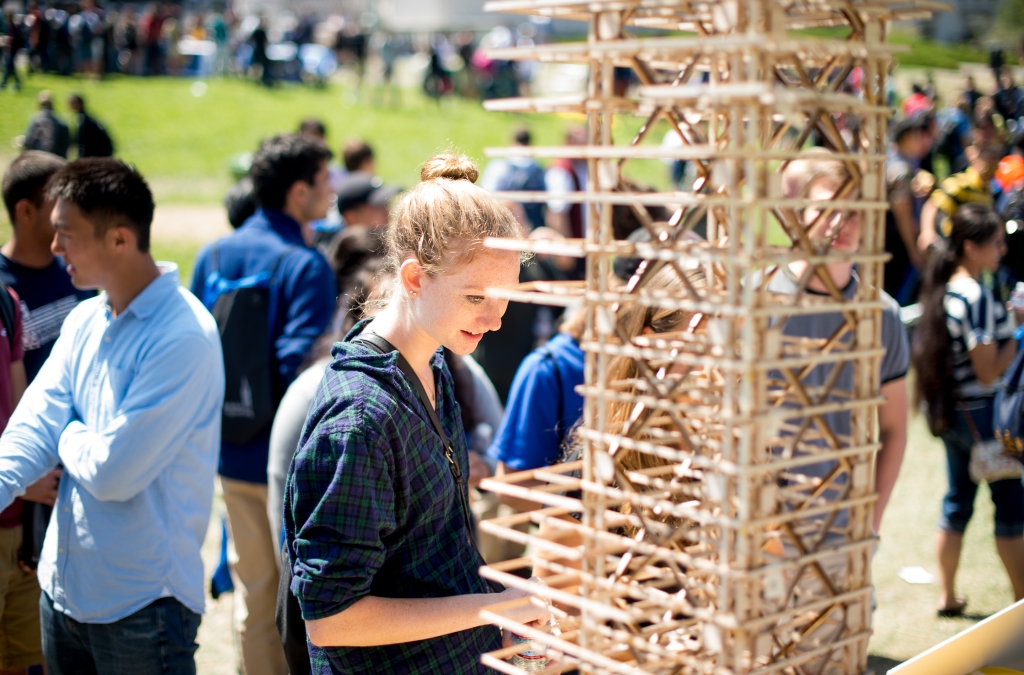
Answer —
990 253
452 307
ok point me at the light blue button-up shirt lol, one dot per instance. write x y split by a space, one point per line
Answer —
131 407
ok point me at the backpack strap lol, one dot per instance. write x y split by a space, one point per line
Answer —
559 425
7 312
272 309
382 346
214 260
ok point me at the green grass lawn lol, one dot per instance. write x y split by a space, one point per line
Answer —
905 622
183 143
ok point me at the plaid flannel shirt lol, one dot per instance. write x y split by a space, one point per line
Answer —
371 509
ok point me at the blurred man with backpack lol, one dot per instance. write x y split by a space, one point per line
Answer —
92 138
516 174
272 296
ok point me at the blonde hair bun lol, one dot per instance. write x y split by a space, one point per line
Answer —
450 166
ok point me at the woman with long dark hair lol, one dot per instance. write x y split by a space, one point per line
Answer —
961 347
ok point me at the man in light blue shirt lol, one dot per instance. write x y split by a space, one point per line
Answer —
129 403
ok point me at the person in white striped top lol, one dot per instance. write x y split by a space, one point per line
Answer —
963 344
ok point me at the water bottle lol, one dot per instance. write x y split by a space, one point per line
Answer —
1017 297
527 658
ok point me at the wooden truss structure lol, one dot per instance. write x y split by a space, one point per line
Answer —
723 555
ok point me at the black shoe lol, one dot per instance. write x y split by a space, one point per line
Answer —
957 609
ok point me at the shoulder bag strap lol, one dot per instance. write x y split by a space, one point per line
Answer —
382 346
970 422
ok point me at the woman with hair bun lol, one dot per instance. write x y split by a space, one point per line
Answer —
377 521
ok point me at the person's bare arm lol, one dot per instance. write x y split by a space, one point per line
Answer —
991 361
928 232
892 433
19 382
906 224
373 621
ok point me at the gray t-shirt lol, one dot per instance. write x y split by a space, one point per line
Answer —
822 326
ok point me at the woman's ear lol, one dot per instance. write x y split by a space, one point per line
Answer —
970 249
647 331
411 274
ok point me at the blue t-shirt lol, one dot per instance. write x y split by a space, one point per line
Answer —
544 389
47 297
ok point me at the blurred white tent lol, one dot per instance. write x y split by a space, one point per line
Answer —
402 16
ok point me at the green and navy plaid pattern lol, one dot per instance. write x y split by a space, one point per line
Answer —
371 508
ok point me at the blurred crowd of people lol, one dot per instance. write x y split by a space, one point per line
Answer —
162 38
970 150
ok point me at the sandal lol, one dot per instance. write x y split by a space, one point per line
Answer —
955 610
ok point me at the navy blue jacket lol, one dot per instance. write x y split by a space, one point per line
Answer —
305 302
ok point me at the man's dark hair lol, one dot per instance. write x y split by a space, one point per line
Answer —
27 176
109 193
313 127
281 162
909 125
77 98
240 202
355 153
522 136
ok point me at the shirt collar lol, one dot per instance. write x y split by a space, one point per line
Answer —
280 222
154 295
436 361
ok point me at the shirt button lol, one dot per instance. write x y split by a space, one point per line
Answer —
60 550
106 338
66 509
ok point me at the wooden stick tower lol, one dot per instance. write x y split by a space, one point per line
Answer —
721 551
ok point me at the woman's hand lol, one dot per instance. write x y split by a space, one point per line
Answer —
533 612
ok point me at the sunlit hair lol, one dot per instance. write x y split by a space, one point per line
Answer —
444 219
625 375
829 173
632 320
794 176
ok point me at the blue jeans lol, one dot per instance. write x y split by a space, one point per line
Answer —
159 639
958 504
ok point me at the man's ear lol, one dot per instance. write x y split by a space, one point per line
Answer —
24 212
122 238
298 193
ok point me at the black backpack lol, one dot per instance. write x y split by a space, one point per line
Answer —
244 309
94 139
